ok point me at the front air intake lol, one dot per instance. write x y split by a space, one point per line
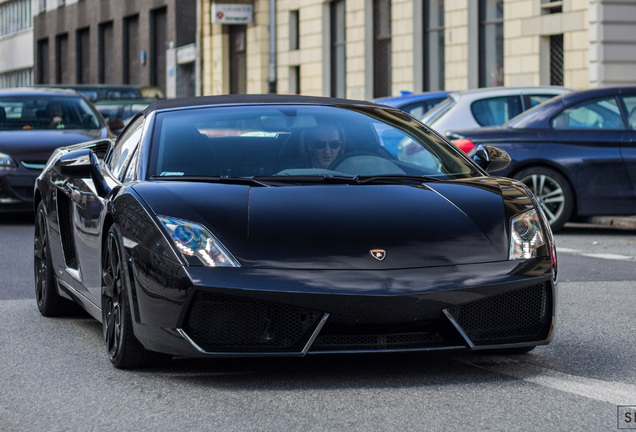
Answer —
222 323
520 315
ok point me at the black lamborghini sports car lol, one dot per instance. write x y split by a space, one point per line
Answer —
280 225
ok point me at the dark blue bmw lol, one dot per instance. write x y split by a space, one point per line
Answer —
576 152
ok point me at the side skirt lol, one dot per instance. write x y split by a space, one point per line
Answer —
67 291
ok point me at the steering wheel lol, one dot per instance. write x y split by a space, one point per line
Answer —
364 163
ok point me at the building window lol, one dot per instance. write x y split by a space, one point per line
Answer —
238 59
338 49
43 76
62 74
433 45
556 60
106 52
158 45
19 78
294 80
15 16
381 48
133 57
83 56
551 6
294 30
491 43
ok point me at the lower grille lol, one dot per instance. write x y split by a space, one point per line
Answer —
221 323
514 316
25 193
403 341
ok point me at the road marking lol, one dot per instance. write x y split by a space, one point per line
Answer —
613 392
607 256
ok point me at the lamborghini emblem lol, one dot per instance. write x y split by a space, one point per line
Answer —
378 254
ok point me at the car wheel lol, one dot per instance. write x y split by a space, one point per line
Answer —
123 348
49 302
553 193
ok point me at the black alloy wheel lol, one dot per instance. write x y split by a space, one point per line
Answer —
123 348
49 302
553 192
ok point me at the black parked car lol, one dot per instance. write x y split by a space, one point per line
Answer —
280 225
576 152
33 123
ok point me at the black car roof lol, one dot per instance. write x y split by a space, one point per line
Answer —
603 91
166 104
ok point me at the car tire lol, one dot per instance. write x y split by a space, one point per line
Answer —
553 192
49 302
123 348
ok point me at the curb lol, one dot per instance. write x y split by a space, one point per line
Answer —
626 222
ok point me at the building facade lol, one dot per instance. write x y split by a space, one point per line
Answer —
16 43
364 49
142 42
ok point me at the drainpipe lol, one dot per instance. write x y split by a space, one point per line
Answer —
272 46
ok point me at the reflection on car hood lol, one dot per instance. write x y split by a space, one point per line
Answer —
337 226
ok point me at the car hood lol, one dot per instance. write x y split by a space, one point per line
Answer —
37 145
337 226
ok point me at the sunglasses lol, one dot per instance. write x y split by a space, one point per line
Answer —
319 145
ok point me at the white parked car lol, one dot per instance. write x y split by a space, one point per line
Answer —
489 106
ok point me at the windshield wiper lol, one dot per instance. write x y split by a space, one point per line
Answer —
395 178
322 178
250 181
353 180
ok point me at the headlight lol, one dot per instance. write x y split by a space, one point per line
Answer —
526 235
6 162
193 239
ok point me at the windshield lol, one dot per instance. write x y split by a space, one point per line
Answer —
297 141
31 112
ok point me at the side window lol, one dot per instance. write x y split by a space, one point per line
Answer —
131 170
533 100
630 104
124 149
496 111
594 114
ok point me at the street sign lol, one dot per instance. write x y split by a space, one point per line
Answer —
232 13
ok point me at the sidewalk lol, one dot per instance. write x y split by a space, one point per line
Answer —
622 222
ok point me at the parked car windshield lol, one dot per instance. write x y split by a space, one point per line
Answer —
300 140
28 112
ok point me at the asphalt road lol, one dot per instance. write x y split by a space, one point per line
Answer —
54 374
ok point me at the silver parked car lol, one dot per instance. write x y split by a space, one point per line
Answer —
490 106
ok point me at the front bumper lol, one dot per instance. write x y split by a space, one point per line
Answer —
252 312
16 189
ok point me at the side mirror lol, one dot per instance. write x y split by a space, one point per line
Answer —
491 158
83 163
78 163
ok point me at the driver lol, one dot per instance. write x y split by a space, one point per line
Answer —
321 145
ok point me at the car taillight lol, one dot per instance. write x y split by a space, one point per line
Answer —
464 144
